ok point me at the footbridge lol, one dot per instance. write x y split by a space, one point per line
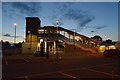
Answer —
51 33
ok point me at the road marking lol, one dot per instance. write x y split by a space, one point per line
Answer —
26 60
6 62
38 74
26 77
64 71
103 72
100 65
69 75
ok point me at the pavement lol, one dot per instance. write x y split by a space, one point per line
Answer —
77 67
34 59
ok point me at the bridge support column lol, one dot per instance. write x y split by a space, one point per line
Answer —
64 33
88 42
54 47
45 47
69 36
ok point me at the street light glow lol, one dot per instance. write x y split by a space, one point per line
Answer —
57 21
15 24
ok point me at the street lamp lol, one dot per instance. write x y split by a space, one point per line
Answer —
15 32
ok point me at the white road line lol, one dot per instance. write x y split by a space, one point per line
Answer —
69 75
100 65
6 62
103 73
63 70
26 77
37 74
26 60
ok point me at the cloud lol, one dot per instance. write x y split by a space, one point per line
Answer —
66 11
13 9
97 28
61 9
57 19
8 35
81 17
100 27
92 31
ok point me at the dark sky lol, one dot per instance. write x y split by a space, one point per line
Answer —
87 18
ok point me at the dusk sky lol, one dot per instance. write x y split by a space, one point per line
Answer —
86 18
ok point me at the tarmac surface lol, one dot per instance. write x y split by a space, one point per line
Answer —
75 67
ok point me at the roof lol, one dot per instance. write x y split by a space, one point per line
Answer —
33 18
71 32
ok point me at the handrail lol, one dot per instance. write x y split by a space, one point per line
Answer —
69 41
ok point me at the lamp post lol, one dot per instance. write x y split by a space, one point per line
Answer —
15 33
74 31
74 39
29 38
57 38
57 25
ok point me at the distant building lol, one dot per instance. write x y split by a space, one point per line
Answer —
117 44
108 44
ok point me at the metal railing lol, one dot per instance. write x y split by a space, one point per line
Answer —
69 41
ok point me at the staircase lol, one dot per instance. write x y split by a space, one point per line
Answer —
69 41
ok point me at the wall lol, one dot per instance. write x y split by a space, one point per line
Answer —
11 51
29 48
73 50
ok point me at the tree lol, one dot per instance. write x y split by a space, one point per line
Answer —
2 42
19 45
7 44
97 37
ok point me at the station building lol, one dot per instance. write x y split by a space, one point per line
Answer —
51 39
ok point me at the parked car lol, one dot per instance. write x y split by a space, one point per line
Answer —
39 53
112 52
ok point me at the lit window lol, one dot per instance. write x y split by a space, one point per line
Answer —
102 48
71 36
77 38
112 47
41 31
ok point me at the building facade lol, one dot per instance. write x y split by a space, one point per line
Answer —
53 39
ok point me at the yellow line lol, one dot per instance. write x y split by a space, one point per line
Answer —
69 75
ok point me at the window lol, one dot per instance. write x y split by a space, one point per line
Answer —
41 31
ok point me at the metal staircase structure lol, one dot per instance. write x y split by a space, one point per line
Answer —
72 38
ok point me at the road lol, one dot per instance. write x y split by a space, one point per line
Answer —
68 67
